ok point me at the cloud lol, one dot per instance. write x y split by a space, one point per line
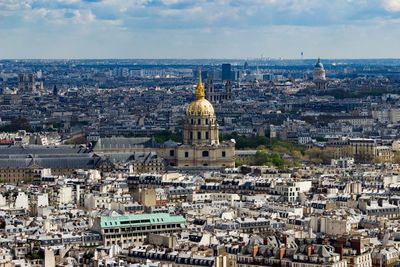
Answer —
198 22
13 5
392 5
216 13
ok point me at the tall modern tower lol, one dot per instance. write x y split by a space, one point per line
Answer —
226 72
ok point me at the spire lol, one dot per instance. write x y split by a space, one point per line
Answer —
200 87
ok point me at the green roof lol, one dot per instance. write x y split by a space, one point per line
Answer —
140 220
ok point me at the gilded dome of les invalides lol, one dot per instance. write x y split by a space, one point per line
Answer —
200 106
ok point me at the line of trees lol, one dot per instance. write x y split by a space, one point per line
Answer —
17 124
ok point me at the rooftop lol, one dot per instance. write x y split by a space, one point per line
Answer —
141 219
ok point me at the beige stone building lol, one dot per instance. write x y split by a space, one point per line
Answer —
363 150
319 76
201 146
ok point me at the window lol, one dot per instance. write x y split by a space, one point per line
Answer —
191 135
207 135
186 154
205 153
207 121
191 121
199 121
198 135
172 153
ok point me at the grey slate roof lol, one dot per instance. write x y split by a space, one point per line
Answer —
122 143
170 144
84 162
137 156
41 150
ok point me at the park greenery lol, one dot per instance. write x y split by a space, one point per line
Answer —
291 158
277 152
262 142
269 151
17 124
166 135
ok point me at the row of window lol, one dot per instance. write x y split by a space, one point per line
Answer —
11 170
207 135
142 228
192 121
125 241
204 153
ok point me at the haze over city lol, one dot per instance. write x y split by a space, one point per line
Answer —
199 28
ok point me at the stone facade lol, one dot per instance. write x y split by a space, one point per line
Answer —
201 146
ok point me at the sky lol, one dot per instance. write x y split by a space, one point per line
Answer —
199 29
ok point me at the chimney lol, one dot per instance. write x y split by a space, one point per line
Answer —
356 244
285 240
255 250
309 250
281 253
341 252
340 243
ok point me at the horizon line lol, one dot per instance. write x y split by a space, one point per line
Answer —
217 59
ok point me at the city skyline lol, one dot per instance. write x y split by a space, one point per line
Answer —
199 29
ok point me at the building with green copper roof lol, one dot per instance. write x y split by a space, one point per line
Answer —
133 229
140 219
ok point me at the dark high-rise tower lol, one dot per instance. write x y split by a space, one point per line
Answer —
55 90
226 72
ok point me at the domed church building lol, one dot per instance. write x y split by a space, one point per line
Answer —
319 76
201 146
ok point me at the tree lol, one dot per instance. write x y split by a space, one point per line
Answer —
314 155
328 154
17 124
396 157
166 135
297 155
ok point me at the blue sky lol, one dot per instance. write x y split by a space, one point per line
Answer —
199 28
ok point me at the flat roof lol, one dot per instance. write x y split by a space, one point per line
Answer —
140 219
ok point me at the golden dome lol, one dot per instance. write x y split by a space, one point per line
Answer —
200 107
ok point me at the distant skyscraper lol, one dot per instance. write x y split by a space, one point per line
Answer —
319 76
55 90
226 72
